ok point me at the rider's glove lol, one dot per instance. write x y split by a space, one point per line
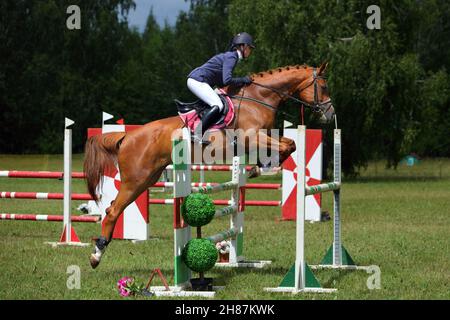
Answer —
239 82
246 80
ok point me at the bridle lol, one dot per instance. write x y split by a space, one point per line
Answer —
316 106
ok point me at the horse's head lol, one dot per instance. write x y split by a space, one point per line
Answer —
314 91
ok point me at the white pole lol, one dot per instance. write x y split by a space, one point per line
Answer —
236 218
67 178
300 227
337 244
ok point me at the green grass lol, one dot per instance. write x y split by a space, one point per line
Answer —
397 220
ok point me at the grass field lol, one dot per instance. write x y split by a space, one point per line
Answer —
397 220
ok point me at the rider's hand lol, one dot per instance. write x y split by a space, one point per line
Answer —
246 81
239 82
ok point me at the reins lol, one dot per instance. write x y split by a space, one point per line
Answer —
264 104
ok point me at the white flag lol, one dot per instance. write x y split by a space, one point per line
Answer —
287 124
68 122
106 117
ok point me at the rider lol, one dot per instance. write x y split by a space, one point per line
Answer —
218 71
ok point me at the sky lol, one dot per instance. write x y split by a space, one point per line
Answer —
162 9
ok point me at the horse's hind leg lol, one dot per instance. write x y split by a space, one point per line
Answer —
130 189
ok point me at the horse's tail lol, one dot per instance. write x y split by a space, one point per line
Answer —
100 154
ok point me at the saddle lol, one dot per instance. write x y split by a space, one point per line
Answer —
199 106
192 112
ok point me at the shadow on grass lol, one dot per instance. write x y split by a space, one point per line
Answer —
221 276
336 277
224 276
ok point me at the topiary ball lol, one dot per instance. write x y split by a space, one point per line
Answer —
198 210
200 255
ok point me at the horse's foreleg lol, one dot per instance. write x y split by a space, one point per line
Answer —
284 147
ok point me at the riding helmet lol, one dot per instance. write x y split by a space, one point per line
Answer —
243 38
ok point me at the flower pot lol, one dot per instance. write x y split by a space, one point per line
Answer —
205 284
224 257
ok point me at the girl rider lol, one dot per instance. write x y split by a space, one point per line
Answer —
218 71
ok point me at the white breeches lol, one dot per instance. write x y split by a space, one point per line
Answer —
204 91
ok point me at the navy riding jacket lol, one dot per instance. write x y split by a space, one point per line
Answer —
218 71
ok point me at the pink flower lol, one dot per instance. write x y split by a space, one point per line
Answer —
123 285
124 293
127 287
223 246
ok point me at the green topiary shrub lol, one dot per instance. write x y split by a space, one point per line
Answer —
198 210
200 255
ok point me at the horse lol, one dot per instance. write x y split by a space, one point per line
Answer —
143 154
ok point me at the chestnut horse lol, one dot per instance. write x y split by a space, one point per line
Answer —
143 154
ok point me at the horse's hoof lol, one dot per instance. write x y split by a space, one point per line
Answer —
93 261
270 171
325 216
254 172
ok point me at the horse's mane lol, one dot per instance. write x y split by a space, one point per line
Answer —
278 70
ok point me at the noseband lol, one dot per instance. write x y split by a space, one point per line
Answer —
316 106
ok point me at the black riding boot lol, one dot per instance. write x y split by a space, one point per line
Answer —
208 119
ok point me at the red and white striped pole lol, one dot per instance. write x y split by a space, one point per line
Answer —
46 217
39 174
42 195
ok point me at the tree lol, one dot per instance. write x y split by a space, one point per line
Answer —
373 74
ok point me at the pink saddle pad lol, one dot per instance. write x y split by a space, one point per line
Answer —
191 118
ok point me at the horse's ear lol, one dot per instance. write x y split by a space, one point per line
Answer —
323 68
